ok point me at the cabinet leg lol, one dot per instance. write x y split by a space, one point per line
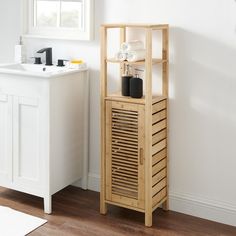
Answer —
48 204
103 207
165 205
148 219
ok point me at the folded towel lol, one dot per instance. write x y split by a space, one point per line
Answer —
132 45
121 56
137 55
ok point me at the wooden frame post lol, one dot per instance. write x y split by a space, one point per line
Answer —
148 129
122 40
103 91
165 82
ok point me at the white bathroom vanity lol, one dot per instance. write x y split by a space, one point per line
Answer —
43 129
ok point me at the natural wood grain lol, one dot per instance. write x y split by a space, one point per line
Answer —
159 186
158 126
158 167
108 151
124 139
158 147
158 106
144 26
160 175
141 166
145 131
159 196
158 116
122 40
76 213
118 97
148 128
157 137
159 156
103 91
136 63
165 91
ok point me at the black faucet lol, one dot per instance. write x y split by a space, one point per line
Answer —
48 55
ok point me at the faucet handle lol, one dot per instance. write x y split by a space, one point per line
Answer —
60 62
37 60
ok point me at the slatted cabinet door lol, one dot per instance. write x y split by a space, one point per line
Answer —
124 154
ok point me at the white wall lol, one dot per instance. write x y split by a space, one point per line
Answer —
202 96
9 28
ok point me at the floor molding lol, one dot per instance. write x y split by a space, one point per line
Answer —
94 182
189 204
203 208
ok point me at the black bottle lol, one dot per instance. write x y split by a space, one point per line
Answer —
125 82
136 87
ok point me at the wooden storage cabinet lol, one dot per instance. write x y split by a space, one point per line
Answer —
134 133
125 166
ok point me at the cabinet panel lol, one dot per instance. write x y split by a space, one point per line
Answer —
159 153
5 137
26 141
124 154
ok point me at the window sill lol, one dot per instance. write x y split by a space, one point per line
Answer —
33 36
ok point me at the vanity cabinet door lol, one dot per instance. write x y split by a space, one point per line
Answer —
5 139
124 154
26 144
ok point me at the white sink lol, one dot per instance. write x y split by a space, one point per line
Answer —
36 70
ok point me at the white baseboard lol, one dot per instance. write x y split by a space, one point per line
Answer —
203 208
189 204
82 183
94 182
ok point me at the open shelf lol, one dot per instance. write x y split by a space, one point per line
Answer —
118 97
138 63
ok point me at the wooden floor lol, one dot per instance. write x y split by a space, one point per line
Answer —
76 212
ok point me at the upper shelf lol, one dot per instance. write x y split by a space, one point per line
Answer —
152 26
154 61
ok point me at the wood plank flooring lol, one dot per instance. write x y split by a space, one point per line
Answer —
76 212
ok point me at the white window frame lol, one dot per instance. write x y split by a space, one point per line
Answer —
32 31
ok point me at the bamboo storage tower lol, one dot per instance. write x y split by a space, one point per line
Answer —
134 151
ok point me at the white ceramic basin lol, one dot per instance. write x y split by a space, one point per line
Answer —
36 70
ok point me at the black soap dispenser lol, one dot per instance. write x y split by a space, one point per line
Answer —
125 83
136 86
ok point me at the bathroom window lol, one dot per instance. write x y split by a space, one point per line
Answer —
63 19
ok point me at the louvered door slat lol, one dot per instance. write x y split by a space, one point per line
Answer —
133 139
126 142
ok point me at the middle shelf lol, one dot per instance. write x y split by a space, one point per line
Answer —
154 61
118 97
